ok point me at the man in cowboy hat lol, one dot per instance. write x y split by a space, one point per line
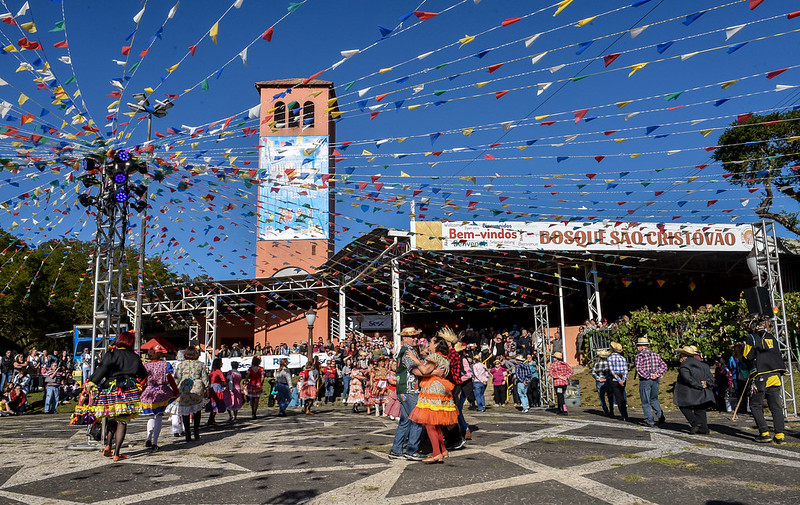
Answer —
763 356
618 366
560 372
523 376
650 368
408 432
602 376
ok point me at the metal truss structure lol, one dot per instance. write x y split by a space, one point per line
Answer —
541 344
768 267
592 292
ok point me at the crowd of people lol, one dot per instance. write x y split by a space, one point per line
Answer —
25 373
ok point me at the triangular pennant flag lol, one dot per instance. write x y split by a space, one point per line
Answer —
579 114
585 21
663 46
583 46
561 6
466 39
609 58
733 30
728 84
213 32
776 73
267 35
635 68
691 18
138 16
635 32
735 47
530 40
538 57
755 3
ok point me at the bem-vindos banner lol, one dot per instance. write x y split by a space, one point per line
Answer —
571 236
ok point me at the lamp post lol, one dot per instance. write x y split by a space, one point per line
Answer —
311 316
142 105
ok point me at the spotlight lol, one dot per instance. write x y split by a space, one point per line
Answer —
123 155
89 181
86 200
120 177
121 196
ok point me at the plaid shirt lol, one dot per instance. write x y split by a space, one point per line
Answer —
523 373
455 367
601 370
619 367
560 373
649 365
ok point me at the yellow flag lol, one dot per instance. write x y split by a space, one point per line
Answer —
620 141
336 114
173 67
11 48
214 32
693 178
28 27
707 132
365 153
401 139
403 174
466 40
636 155
469 178
561 6
331 101
481 84
412 107
316 94
622 105
585 21
539 118
384 70
728 84
149 91
635 68
467 131
22 98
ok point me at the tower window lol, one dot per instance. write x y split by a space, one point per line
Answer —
308 114
294 114
280 115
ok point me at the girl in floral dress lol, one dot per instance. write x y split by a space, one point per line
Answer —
392 408
255 384
159 390
379 385
435 406
356 395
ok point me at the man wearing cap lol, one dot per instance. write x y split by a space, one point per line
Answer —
618 366
650 368
408 432
602 376
763 357
560 372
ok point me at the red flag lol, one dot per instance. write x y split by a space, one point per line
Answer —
488 157
741 118
373 115
579 114
510 21
313 77
268 34
776 73
599 158
425 15
547 123
609 132
500 94
711 202
144 53
492 68
192 49
755 3
381 97
793 15
61 45
592 176
126 50
609 58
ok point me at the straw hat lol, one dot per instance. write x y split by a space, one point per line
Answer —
616 346
448 334
459 347
603 353
642 340
558 355
688 350
409 331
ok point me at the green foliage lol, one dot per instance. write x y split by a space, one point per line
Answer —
713 329
48 288
764 152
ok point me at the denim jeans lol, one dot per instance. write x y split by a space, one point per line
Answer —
522 389
345 388
479 388
462 423
648 390
604 392
51 400
284 396
85 372
330 384
6 378
406 428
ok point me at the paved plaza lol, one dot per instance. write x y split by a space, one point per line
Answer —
339 457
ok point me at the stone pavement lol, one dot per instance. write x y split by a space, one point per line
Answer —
339 457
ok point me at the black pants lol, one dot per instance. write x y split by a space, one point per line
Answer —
500 394
514 392
774 402
619 396
562 406
468 392
741 385
696 415
534 395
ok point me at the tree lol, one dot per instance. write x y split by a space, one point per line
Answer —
765 151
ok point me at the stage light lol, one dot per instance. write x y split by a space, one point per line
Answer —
123 155
86 200
120 177
121 196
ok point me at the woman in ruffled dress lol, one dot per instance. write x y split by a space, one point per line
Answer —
234 381
392 408
159 390
379 385
356 395
435 406
216 392
308 385
255 384
119 397
191 376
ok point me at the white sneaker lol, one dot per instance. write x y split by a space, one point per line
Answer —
524 410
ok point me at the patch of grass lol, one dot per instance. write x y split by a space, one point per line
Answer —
554 439
379 448
791 444
617 464
673 463
760 486
630 456
371 488
594 457
719 460
702 444
633 478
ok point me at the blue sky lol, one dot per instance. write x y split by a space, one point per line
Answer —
465 129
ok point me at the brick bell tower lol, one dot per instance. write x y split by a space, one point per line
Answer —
295 201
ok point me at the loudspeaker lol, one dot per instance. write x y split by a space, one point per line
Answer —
758 301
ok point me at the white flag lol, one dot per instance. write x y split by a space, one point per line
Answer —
530 40
350 53
733 30
138 16
238 3
538 57
243 56
173 10
637 31
363 92
23 9
542 87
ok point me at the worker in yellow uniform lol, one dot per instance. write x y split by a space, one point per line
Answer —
762 356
